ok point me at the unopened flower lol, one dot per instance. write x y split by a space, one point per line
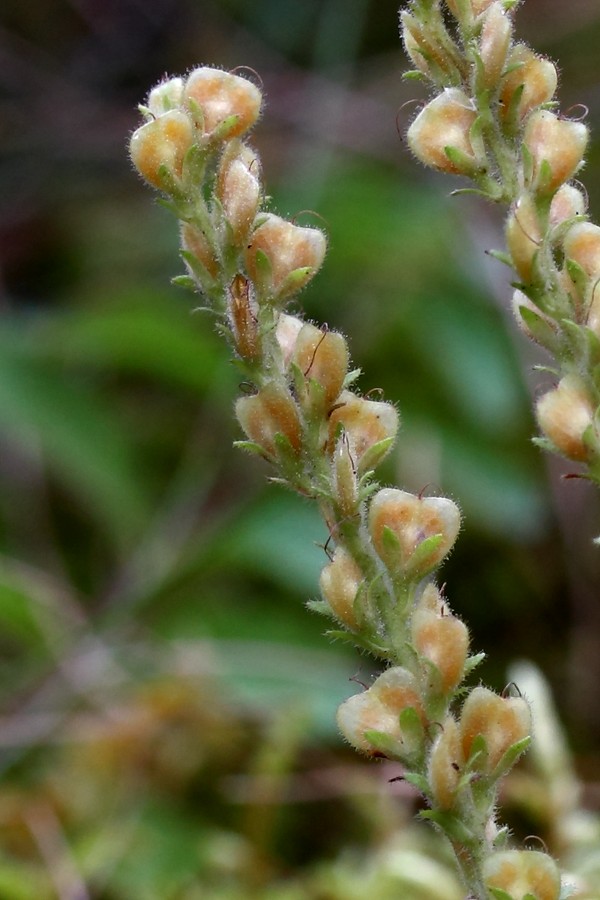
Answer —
496 33
502 721
287 331
322 356
160 146
440 136
194 241
243 320
412 534
476 6
523 873
269 413
443 639
535 74
556 147
371 425
165 96
239 189
523 236
224 100
339 582
445 763
567 203
582 244
283 256
378 709
565 414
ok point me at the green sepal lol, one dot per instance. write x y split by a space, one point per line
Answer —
478 192
375 454
194 165
147 114
391 547
527 164
351 377
263 267
295 281
418 564
198 268
512 113
383 743
578 276
451 825
472 663
253 448
413 735
185 281
541 330
321 607
419 781
510 757
415 75
349 637
544 178
479 753
529 896
224 129
502 257
499 894
461 161
196 112
501 838
169 183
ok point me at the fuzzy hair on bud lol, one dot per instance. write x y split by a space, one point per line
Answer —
496 34
523 236
444 123
339 582
443 639
564 414
368 424
294 254
239 189
165 96
521 873
322 356
445 764
582 244
268 413
567 203
557 145
502 721
223 97
535 74
162 144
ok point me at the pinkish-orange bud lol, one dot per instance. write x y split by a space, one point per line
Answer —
536 74
268 413
162 144
496 33
523 236
477 6
445 764
523 873
558 143
239 189
293 254
287 331
567 203
400 522
582 244
165 96
243 318
194 241
379 708
345 477
339 582
565 414
502 721
444 640
322 356
223 97
440 135
368 423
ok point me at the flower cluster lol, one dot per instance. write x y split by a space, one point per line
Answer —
494 120
300 413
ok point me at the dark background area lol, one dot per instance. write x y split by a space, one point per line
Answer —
155 650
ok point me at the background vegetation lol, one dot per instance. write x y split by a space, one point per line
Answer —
167 725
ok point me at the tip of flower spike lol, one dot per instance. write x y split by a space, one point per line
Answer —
223 99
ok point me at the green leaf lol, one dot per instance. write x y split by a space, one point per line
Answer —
450 824
375 454
540 329
383 743
472 662
510 757
419 781
420 561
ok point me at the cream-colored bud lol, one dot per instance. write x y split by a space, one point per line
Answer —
444 640
558 142
322 356
268 413
339 583
223 97
345 477
165 96
537 75
502 721
194 241
239 189
523 873
379 708
243 318
523 236
445 764
412 520
445 122
368 423
162 143
582 244
567 203
496 33
564 414
294 254
287 331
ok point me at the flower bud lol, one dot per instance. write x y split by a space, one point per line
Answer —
565 414
345 479
293 255
287 331
502 721
194 241
379 708
243 319
444 640
440 135
556 147
523 237
339 583
582 244
165 96
223 98
238 189
162 143
415 52
268 413
523 873
477 6
445 764
400 523
322 356
536 74
369 423
567 203
496 33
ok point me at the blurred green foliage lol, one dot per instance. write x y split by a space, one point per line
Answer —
167 702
